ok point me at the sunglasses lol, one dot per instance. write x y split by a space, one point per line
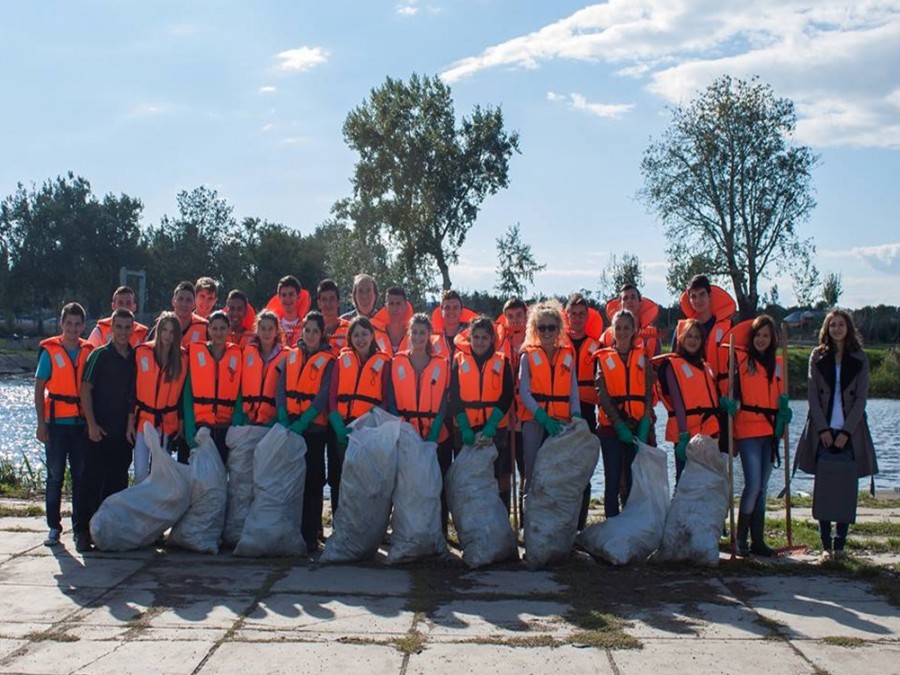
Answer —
548 328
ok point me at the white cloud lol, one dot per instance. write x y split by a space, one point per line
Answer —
150 110
267 127
839 60
301 58
883 257
296 140
579 102
408 9
268 89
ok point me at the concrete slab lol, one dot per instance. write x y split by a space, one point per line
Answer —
509 582
9 645
210 612
49 657
147 658
289 658
689 657
142 633
769 589
816 619
66 571
501 660
41 604
462 619
197 578
344 580
343 615
161 609
704 620
874 657
19 542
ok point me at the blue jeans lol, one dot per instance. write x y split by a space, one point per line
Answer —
756 461
617 459
65 441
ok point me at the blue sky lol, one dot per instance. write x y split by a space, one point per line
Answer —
152 98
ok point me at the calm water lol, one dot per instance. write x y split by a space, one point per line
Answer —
17 426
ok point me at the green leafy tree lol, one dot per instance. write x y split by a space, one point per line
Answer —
729 185
516 265
619 272
832 289
805 278
420 177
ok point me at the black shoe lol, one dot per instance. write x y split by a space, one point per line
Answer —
83 543
757 535
743 529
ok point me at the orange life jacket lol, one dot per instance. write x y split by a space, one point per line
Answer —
698 393
303 380
480 389
359 384
723 307
259 380
339 338
62 393
587 392
551 383
241 339
442 345
214 384
514 354
648 337
419 397
196 331
104 327
626 383
156 398
759 398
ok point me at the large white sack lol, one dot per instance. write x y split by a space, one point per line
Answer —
241 442
200 528
138 516
694 523
562 470
272 526
480 519
637 531
367 482
416 522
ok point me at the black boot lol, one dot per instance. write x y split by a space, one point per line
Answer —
743 528
757 534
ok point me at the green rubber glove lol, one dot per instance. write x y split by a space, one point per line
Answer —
340 429
681 446
784 415
465 429
623 433
551 426
302 424
490 429
728 406
282 417
643 430
435 432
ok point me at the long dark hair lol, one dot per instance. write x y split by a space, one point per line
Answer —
421 320
853 341
363 322
694 359
765 359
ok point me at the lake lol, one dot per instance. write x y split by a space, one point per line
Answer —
17 441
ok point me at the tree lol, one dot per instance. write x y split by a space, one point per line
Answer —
832 289
619 272
727 183
805 277
516 265
420 177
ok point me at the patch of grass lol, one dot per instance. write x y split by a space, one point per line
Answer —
606 640
30 511
844 641
50 636
881 501
19 528
411 643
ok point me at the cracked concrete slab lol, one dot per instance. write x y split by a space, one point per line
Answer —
503 660
344 615
66 571
344 580
689 657
509 582
289 658
462 619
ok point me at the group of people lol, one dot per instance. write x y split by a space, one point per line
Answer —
515 379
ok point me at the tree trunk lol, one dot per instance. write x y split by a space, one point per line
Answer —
445 271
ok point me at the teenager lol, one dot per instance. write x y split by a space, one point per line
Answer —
644 310
207 293
712 308
107 399
328 300
364 296
291 303
161 366
192 325
60 420
123 298
262 361
392 321
241 318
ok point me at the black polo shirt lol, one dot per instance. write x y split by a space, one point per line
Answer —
112 376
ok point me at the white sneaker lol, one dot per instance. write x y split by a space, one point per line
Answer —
53 537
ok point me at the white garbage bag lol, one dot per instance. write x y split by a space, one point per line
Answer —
562 470
416 523
272 526
139 515
637 531
698 509
367 482
480 519
200 528
241 442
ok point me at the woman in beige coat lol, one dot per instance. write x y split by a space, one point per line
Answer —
836 436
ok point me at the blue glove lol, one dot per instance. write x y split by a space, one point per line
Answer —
728 406
551 426
643 430
465 429
490 429
681 446
623 433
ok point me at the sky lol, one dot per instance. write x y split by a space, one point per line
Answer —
149 99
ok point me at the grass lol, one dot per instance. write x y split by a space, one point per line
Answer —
50 636
865 500
873 537
884 368
411 643
844 641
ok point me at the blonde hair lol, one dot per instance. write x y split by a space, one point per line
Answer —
547 308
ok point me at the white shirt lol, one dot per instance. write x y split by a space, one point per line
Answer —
837 409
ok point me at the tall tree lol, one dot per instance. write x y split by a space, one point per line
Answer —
420 177
832 289
516 265
619 272
805 278
727 182
683 266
